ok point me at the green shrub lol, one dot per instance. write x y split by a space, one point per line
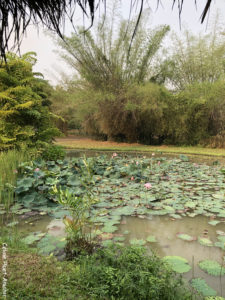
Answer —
53 152
25 117
127 273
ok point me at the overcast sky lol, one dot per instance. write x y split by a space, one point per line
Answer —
50 65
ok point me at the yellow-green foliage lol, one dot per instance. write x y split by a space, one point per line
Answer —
24 104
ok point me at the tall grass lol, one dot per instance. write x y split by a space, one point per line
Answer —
9 162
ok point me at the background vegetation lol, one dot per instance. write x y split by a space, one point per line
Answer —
144 93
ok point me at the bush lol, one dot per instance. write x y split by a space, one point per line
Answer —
127 273
53 152
24 106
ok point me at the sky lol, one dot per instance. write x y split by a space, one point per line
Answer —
50 65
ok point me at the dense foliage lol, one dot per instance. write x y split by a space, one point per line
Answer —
24 106
128 273
122 93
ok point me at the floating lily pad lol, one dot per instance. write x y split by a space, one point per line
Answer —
205 241
109 229
136 242
175 216
151 239
221 238
220 245
185 237
33 237
212 267
202 287
119 238
214 222
178 264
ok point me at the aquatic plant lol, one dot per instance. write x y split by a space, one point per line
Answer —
212 267
202 287
178 263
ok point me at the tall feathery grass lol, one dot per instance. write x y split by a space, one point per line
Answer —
9 162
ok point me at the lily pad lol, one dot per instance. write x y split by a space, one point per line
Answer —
202 287
212 267
205 241
178 264
151 239
31 238
109 229
126 232
136 242
185 237
214 222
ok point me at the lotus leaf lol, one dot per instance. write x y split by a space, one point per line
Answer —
214 222
221 238
136 242
212 267
126 232
177 263
220 245
205 241
31 238
202 287
151 239
109 229
185 237
119 238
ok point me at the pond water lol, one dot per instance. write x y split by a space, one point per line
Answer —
140 225
165 232
167 243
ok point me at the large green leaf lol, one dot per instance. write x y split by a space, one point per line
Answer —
205 241
212 267
202 287
177 263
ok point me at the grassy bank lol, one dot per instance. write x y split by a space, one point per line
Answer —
101 276
89 144
9 161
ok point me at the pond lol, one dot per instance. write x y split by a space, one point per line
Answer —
173 205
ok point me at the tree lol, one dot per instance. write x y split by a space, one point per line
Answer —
108 68
52 14
24 104
196 59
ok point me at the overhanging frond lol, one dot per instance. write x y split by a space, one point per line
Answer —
16 15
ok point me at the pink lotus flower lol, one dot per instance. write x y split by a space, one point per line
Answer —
148 186
153 154
158 163
114 155
132 178
15 171
137 162
36 170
